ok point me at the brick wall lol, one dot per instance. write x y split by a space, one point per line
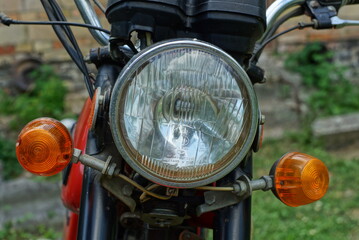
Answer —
295 39
18 39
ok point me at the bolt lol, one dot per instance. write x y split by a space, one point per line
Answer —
210 200
262 120
127 190
76 155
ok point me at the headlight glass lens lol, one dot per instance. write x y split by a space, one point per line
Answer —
183 114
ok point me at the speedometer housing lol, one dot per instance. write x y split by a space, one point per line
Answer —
183 113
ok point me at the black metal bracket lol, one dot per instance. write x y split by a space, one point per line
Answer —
321 14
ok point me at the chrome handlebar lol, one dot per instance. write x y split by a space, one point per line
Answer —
89 16
277 9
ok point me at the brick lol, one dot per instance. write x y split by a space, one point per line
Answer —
13 35
41 33
55 55
66 4
349 12
32 5
7 50
42 46
24 47
11 6
6 60
57 44
29 16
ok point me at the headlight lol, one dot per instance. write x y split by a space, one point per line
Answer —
183 113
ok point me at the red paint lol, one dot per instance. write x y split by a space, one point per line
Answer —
206 220
71 193
70 229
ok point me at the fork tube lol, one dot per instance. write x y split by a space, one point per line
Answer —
98 218
234 222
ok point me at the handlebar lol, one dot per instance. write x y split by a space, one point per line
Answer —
273 13
89 16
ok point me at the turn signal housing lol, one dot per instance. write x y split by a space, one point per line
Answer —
44 147
299 179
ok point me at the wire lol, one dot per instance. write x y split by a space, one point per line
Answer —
260 48
138 186
218 189
10 21
68 40
150 188
294 13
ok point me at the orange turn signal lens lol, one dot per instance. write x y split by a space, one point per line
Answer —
300 179
94 109
44 147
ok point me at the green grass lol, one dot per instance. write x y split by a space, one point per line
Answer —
9 232
336 216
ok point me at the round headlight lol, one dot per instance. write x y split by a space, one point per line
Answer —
183 113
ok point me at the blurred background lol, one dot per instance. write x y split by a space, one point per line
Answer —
310 100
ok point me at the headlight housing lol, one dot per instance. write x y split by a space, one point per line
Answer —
183 113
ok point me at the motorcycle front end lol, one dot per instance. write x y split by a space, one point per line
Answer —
184 120
164 147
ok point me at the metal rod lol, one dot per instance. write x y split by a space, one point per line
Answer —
276 10
89 16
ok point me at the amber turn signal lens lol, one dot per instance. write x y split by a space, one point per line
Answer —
94 109
300 179
44 147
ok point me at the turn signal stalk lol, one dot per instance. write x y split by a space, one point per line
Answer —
299 179
44 147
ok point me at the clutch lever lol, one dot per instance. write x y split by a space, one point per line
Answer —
340 23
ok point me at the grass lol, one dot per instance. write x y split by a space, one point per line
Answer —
10 232
336 216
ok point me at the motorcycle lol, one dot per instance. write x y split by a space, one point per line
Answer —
163 146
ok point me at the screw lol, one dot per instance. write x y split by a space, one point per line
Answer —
210 200
127 190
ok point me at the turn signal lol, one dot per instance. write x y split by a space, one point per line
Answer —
44 147
300 179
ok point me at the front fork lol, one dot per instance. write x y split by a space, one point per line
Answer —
234 222
99 220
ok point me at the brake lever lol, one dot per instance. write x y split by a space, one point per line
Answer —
340 23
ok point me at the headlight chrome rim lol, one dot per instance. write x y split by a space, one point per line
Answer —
238 152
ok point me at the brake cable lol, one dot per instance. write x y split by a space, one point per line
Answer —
299 26
8 21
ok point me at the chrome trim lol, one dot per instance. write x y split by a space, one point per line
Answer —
132 66
276 10
89 16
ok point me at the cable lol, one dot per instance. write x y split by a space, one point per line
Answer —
294 13
138 186
218 189
258 51
10 21
68 40
150 188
